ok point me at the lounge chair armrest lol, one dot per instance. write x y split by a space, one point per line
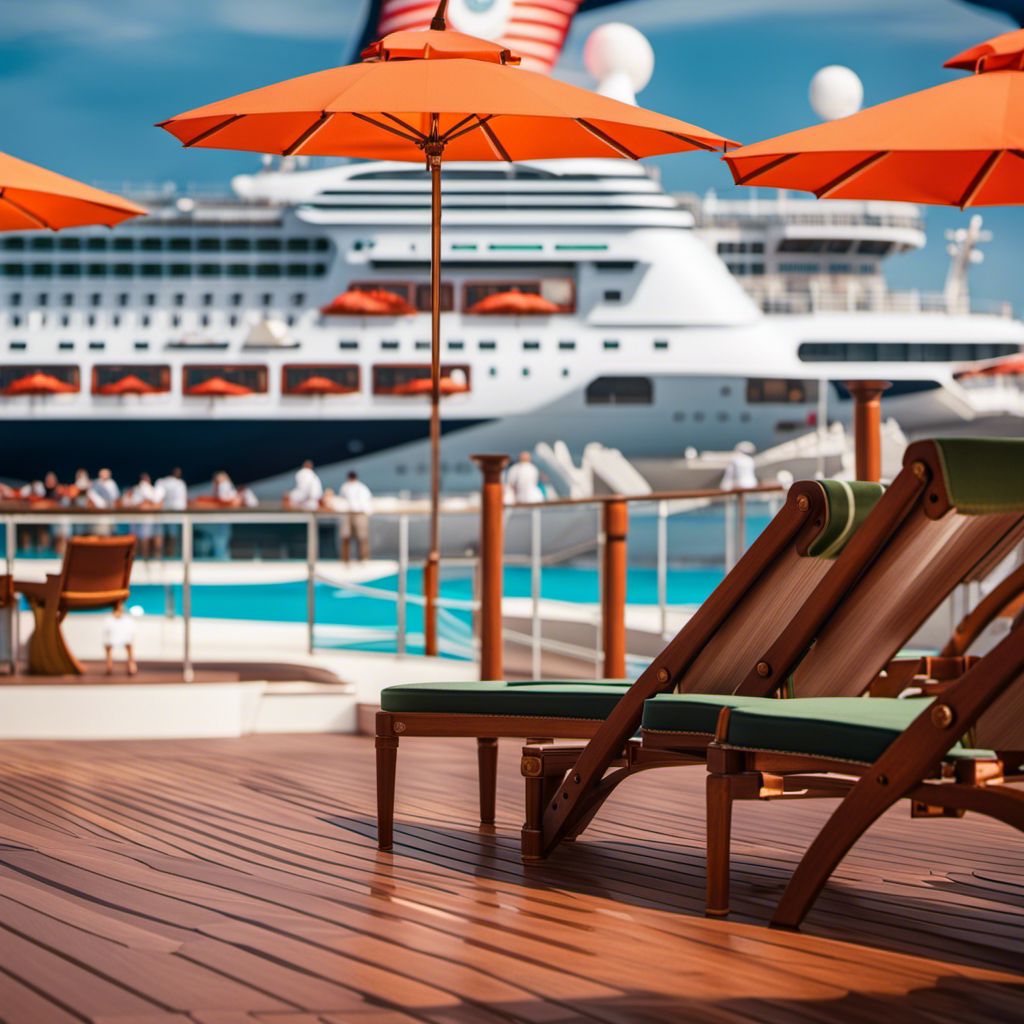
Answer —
39 591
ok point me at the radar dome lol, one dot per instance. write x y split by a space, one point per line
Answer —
836 92
620 58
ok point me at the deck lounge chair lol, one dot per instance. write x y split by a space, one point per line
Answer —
95 574
909 554
748 610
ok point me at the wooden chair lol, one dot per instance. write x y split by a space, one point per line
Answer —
749 609
905 559
95 574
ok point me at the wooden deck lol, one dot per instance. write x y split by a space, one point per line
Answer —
231 881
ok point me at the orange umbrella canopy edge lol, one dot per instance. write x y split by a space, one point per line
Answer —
999 53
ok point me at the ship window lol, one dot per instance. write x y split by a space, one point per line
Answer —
238 270
611 343
757 269
107 377
236 299
67 299
660 343
802 245
698 417
66 346
321 245
565 371
179 299
479 296
867 268
840 268
238 245
614 265
456 346
319 269
818 351
65 320
487 345
68 244
96 269
123 299
16 320
41 269
423 344
757 247
96 244
181 269
348 344
744 417
531 346
739 269
233 320
207 298
799 268
175 320
268 270
873 248
446 298
208 244
65 374
15 298
151 270
620 391
567 247
17 345
41 243
775 390
90 320
42 299
150 299
268 244
179 244
678 417
122 244
14 269
390 345
208 269
526 371
297 270
145 319
116 320
342 378
252 377
414 378
151 244
613 295
299 299
722 417
267 299
124 270
204 321
493 371
69 270
298 245
567 346
19 243
141 345
838 245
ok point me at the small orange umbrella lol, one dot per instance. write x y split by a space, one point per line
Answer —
956 144
514 301
39 383
424 385
318 385
372 302
32 198
435 95
127 385
1005 52
218 387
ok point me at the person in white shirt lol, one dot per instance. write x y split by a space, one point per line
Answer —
175 500
740 471
226 494
107 495
308 489
523 480
119 631
144 495
356 520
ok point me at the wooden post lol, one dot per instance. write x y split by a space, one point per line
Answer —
613 596
491 563
867 426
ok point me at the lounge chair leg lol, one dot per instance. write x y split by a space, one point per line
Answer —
487 760
387 761
719 832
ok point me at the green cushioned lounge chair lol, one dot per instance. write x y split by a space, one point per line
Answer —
749 609
941 522
953 753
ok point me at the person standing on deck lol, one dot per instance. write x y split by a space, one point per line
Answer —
144 495
106 489
523 480
175 500
308 489
356 520
740 473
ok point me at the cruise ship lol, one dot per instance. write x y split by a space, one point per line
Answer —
581 302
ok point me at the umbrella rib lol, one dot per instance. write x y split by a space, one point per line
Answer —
307 134
203 136
455 127
24 211
387 128
606 139
407 127
693 142
850 175
763 169
465 131
978 183
493 140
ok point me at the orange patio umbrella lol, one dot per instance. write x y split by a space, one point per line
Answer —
1005 52
127 385
32 198
957 144
218 387
371 302
39 383
514 301
318 385
433 95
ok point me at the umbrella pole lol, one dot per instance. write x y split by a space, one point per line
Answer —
432 569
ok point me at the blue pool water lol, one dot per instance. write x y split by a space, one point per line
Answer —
352 620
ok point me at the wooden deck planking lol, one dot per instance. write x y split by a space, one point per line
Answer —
237 880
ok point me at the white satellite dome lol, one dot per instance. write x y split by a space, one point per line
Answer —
620 58
836 92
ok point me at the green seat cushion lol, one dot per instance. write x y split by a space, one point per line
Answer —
593 699
983 475
843 728
848 504
696 712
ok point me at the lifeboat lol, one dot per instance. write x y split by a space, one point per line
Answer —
514 302
218 387
39 384
374 302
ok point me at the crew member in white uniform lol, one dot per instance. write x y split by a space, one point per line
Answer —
740 471
308 489
523 481
359 502
175 492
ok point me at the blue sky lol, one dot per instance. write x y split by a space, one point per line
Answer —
83 81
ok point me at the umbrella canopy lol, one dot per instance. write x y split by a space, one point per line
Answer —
1001 53
32 198
424 385
39 383
514 301
319 386
435 95
956 144
127 385
1011 366
372 302
218 387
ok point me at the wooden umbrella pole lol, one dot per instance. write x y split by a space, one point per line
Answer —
432 569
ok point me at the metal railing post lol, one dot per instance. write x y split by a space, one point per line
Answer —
741 525
312 553
403 583
492 543
599 623
535 579
10 547
186 597
613 591
729 518
663 566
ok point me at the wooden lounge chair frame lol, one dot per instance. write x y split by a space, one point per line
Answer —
802 519
569 801
95 574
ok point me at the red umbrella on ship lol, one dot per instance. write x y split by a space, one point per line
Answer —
318 385
218 387
373 302
39 383
127 385
453 384
514 301
435 95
